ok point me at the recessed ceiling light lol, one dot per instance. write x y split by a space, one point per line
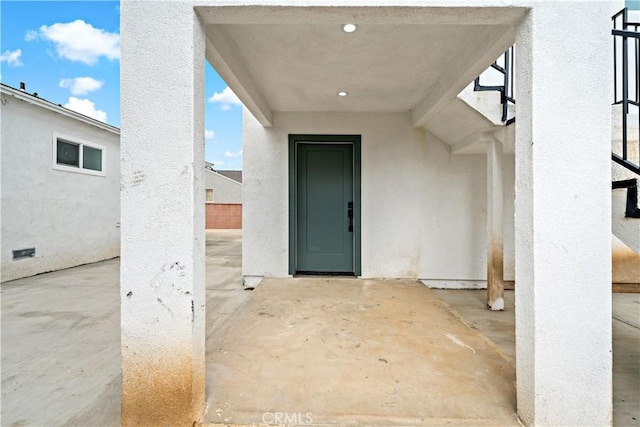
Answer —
349 28
343 93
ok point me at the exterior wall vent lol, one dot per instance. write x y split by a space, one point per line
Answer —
24 253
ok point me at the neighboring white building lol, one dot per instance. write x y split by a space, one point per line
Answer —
223 196
60 187
223 186
366 131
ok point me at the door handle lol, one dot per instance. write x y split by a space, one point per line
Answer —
350 215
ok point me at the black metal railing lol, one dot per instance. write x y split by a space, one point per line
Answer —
506 88
626 70
631 185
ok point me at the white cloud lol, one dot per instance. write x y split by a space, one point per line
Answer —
12 58
86 107
31 35
218 163
226 99
209 134
81 85
80 41
230 154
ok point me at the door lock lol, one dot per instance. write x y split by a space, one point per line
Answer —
350 215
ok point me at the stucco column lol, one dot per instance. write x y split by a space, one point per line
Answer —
163 237
563 214
495 201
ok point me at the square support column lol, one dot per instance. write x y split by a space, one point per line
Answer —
495 202
563 214
162 199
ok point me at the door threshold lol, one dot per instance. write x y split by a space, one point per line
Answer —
338 275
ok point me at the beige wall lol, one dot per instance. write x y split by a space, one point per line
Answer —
225 190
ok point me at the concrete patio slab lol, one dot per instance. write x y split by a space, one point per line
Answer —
61 348
60 342
499 328
626 360
61 337
355 352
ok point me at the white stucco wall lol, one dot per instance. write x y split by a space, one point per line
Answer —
225 190
563 255
70 218
563 215
423 209
508 214
162 268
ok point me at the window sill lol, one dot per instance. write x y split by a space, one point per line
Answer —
79 170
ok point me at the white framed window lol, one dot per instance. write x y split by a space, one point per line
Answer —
76 155
209 196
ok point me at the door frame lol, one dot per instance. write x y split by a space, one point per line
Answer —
294 141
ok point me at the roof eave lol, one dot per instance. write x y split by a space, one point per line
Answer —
57 108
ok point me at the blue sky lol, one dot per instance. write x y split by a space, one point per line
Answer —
68 52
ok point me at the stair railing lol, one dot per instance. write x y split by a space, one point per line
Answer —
624 32
507 88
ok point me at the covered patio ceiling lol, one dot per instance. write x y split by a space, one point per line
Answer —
297 59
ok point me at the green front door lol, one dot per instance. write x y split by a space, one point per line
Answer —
324 208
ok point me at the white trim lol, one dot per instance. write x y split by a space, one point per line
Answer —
81 142
206 195
57 108
454 284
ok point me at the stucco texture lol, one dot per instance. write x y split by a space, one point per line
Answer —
423 209
70 218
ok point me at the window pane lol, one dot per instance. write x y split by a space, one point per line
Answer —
91 158
68 154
